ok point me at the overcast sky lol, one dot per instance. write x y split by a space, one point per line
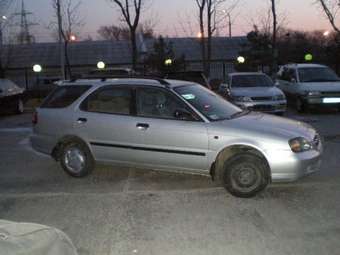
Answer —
169 14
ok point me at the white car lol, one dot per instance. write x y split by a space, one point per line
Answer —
310 85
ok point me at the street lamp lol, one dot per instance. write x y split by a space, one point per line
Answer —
308 57
241 60
101 65
37 69
73 38
199 35
168 62
326 33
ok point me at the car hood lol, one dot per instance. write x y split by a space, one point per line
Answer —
321 86
257 124
12 91
256 92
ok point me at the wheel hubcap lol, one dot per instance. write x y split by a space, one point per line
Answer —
245 177
74 160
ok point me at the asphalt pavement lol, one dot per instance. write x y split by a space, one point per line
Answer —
133 211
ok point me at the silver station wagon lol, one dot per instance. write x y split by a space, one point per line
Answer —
173 126
254 91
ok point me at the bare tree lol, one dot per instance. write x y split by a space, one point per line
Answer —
116 33
331 9
131 12
70 22
4 6
274 36
201 10
110 33
211 14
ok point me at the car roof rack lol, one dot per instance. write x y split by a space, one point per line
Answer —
104 78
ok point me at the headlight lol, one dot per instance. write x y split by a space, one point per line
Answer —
313 94
300 144
243 99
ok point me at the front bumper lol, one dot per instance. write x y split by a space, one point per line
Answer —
265 106
327 101
287 166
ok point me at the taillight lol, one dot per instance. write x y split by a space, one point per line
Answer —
35 118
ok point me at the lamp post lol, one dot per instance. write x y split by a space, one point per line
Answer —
241 60
2 19
37 69
101 65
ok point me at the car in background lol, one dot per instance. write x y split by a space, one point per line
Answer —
173 126
308 85
11 96
194 76
254 91
110 72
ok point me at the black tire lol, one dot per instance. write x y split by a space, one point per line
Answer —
84 156
245 175
300 105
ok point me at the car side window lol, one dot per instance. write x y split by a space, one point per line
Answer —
292 74
288 74
109 100
158 103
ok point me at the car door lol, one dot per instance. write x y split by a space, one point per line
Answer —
174 136
106 120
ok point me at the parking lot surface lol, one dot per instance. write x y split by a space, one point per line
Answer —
133 211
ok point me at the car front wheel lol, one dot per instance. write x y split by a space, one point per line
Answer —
76 159
245 175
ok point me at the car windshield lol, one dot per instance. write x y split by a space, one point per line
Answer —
212 106
247 81
317 74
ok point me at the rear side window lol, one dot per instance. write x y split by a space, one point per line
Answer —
64 96
112 100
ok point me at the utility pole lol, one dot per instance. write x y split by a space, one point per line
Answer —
60 32
229 24
24 36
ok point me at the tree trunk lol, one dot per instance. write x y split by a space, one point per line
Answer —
203 40
134 48
68 72
274 42
210 34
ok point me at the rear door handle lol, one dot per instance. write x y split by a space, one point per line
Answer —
82 120
142 126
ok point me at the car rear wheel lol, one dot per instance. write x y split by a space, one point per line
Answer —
245 175
76 159
300 105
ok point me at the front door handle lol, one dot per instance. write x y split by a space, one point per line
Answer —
142 126
82 120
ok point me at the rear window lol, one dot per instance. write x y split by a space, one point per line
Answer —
64 96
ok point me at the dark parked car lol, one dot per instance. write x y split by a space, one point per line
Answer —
11 96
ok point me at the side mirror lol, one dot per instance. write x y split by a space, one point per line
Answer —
183 115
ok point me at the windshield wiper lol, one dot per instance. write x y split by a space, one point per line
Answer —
239 114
